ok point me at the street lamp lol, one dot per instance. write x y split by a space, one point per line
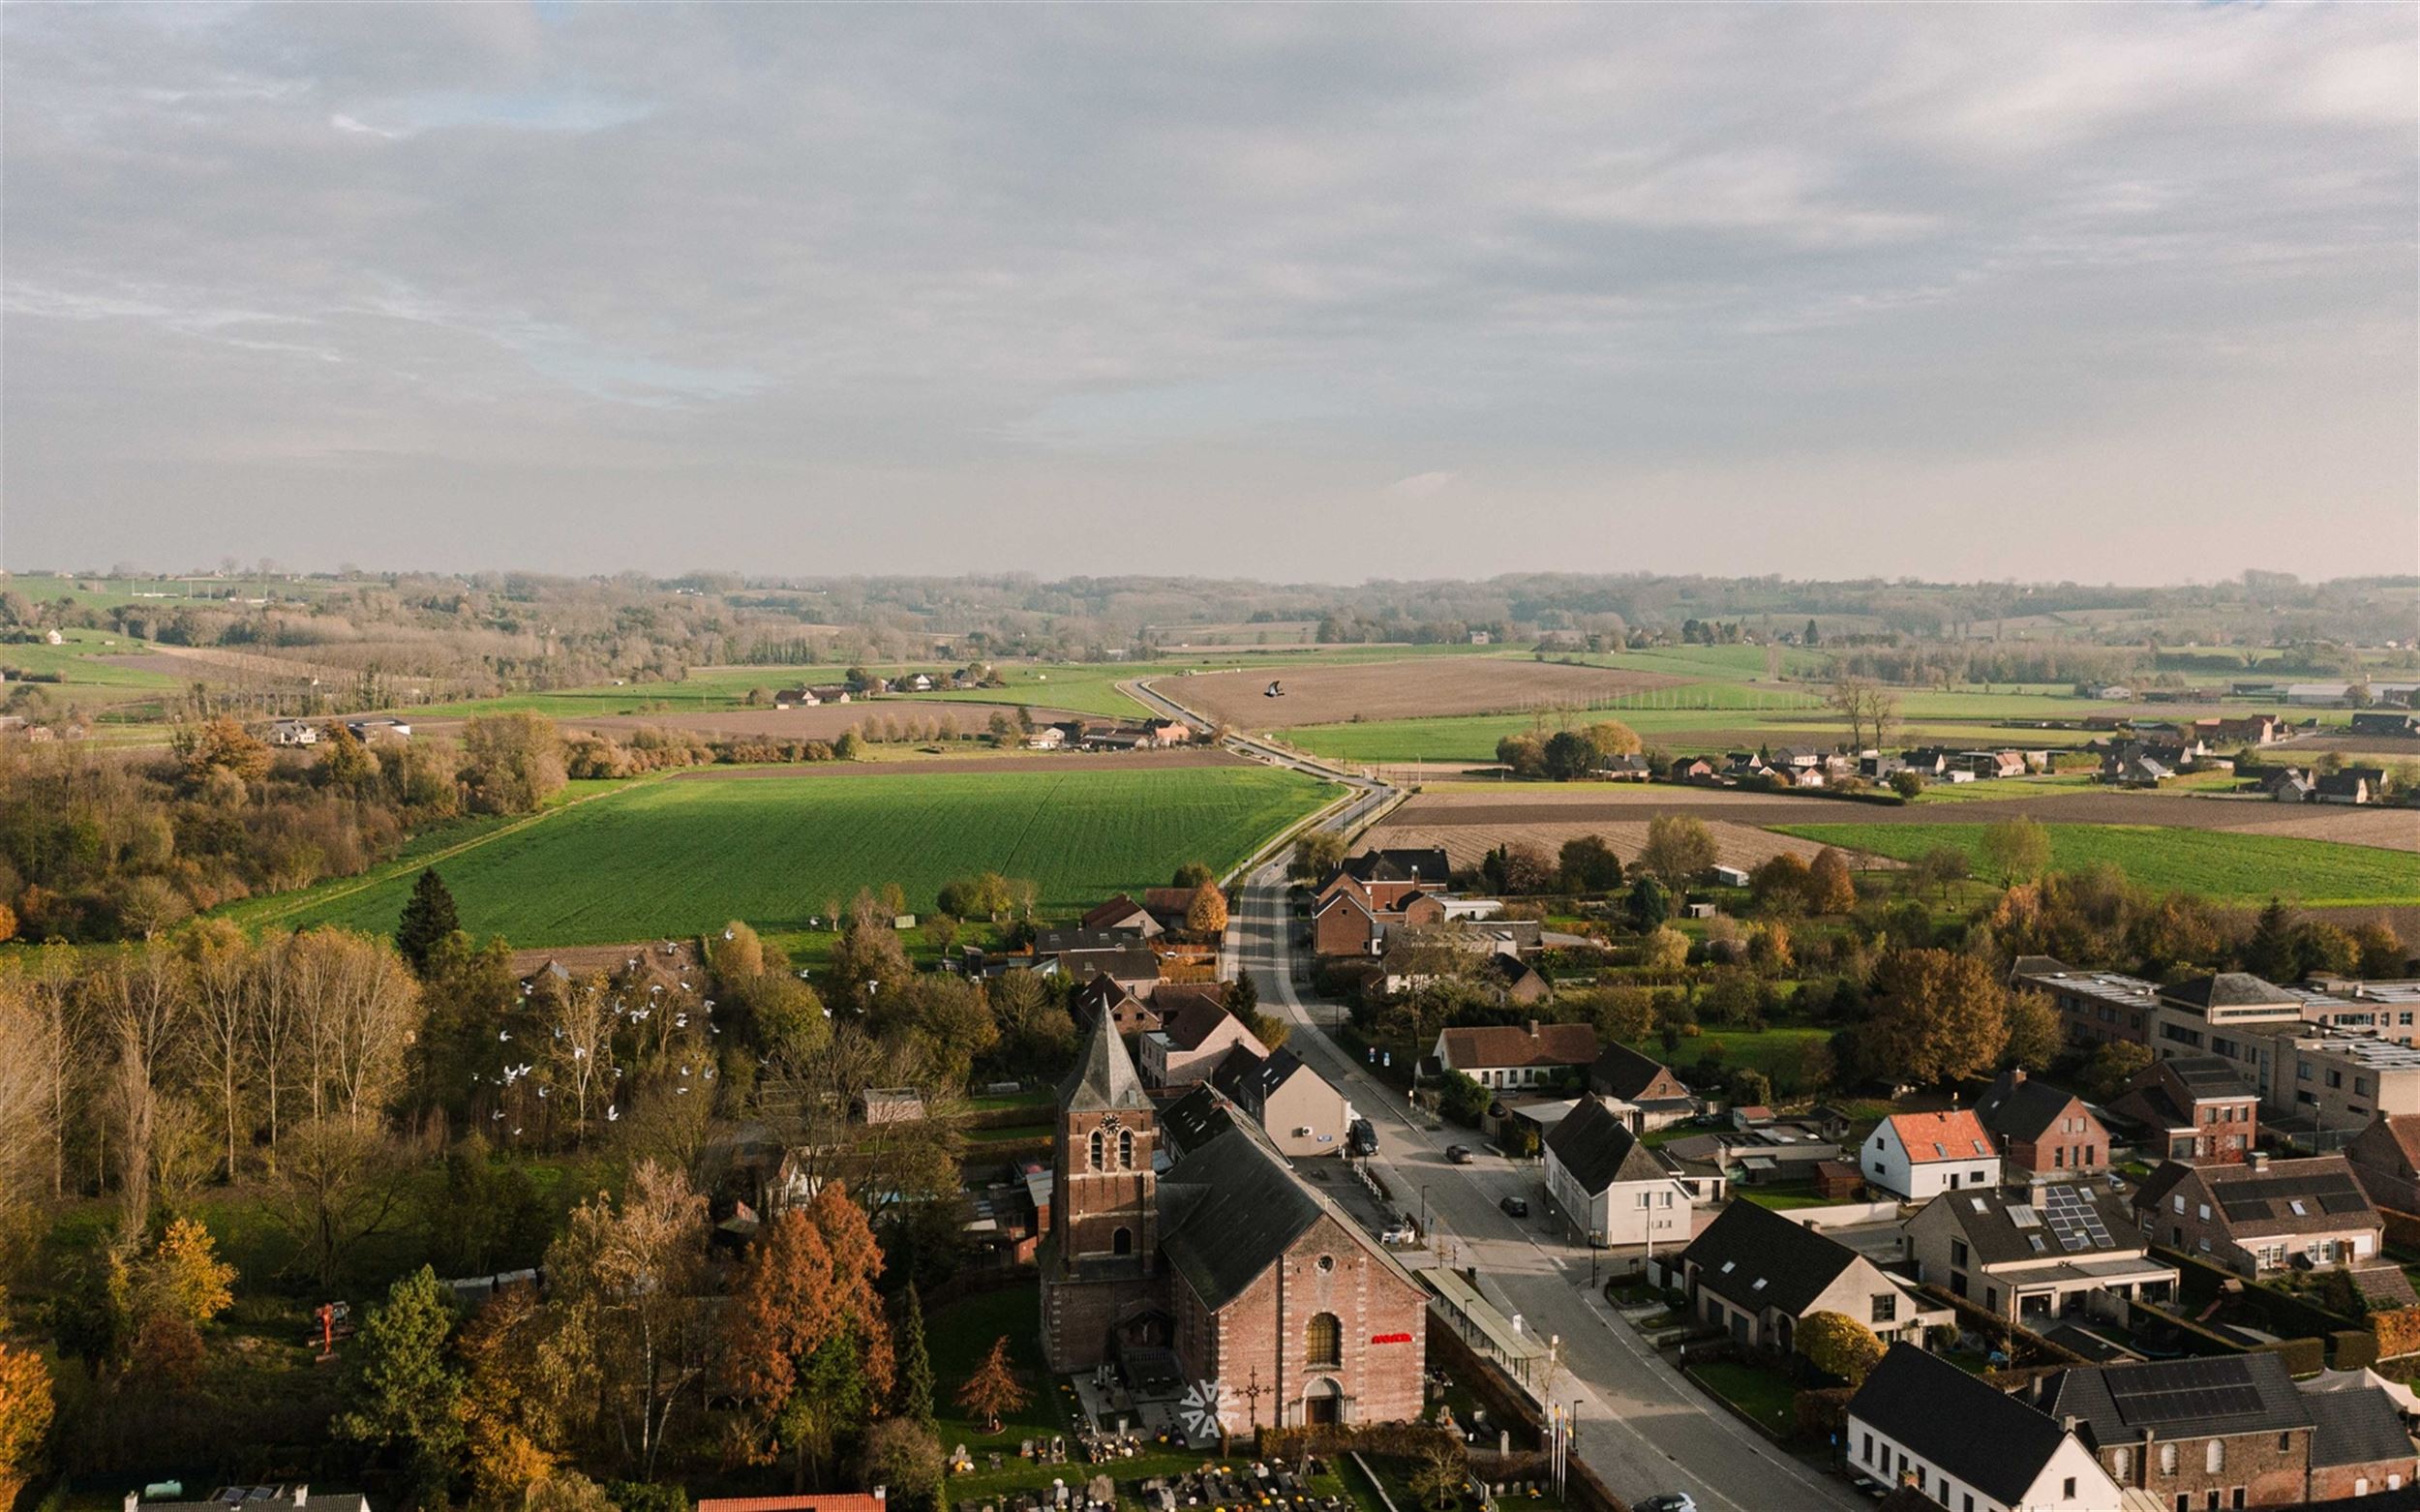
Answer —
1424 1212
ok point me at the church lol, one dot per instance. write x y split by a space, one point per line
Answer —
1278 1309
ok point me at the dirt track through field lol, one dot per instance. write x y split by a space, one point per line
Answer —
1418 688
1525 804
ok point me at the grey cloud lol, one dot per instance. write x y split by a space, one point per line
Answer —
856 288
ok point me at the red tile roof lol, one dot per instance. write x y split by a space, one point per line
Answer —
1496 1046
1959 1134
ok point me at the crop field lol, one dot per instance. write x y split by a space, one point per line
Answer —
95 659
912 720
2218 864
1385 690
669 858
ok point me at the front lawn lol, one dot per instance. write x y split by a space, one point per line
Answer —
1765 1396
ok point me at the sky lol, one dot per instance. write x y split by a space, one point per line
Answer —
2118 292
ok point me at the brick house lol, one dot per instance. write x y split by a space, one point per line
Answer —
1660 1097
1756 1274
1104 994
1122 915
1511 1055
2254 1216
1229 1260
2195 1108
2385 1158
1347 919
1193 1036
2041 1128
2230 1431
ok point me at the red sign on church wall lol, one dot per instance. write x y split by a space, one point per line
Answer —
1390 1338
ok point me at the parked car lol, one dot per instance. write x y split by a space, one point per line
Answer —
1515 1207
1676 1502
1458 1155
1362 1138
1397 1232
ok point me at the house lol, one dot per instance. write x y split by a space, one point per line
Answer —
796 698
2385 1158
1756 1274
2349 786
1081 954
1299 1111
1226 1259
2401 726
2253 1218
1047 738
1347 919
2231 1431
1516 983
1385 877
1968 1446
2041 1128
1102 993
890 1105
2193 1108
1659 1098
1920 1156
1193 1036
258 1498
1691 769
371 728
293 731
2293 786
2036 1255
1612 1189
1122 915
1166 733
1512 1055
2134 769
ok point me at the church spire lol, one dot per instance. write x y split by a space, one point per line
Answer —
1104 1079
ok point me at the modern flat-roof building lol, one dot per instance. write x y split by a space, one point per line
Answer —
2096 1007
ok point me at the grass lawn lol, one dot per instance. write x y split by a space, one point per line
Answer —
1763 1395
1782 1199
1768 1049
677 856
2216 863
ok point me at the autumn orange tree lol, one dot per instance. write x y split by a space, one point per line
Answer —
1207 915
806 1342
993 1389
25 1412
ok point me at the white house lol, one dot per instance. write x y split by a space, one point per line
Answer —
1612 1188
1969 1446
1920 1156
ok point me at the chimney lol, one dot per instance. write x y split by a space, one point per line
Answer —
1533 1028
882 1495
133 1499
302 1492
2017 1075
2257 1160
2068 1422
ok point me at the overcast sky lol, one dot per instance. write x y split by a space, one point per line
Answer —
2119 292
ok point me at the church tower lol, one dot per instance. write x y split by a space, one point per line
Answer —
1103 1261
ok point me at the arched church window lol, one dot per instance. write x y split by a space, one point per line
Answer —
1324 1343
1126 1149
1099 1148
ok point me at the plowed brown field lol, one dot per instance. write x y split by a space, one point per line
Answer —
1411 690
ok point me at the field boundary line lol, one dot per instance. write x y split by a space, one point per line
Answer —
390 870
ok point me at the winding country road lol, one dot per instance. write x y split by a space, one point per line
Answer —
1642 1428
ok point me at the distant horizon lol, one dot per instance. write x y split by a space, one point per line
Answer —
1957 294
131 571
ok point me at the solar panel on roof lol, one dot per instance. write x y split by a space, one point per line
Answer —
2339 1202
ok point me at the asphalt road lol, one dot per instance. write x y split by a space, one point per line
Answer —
1642 1428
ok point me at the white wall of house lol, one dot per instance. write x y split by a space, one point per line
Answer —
1874 1453
1888 1165
1643 1213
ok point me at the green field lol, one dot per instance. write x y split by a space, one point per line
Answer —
78 665
2216 864
676 856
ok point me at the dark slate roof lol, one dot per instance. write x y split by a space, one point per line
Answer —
2260 1202
1228 1210
1104 1079
1746 1244
1401 865
1249 1079
2226 989
2073 1220
2356 1428
1974 1433
1191 1018
2022 1109
1599 1149
1624 1072
2205 1397
1052 942
1195 1119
